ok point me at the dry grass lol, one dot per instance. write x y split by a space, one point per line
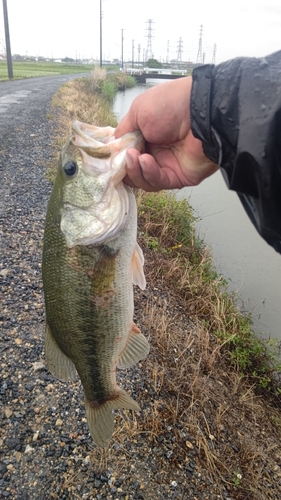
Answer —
192 399
202 387
98 76
185 265
88 109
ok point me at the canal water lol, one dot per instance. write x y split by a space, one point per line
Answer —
251 267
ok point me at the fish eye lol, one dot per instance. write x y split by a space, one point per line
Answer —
70 168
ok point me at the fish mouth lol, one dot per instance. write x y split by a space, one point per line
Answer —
92 132
95 206
101 153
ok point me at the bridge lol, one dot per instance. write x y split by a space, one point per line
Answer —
141 75
162 76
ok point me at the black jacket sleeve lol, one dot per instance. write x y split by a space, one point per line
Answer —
236 113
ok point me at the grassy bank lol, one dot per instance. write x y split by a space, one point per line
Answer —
186 265
29 69
209 384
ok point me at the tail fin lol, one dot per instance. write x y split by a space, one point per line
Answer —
101 418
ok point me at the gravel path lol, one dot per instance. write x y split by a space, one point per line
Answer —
28 409
45 448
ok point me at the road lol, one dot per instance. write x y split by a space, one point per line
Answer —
17 96
24 105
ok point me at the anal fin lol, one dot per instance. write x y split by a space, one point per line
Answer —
101 419
136 348
58 363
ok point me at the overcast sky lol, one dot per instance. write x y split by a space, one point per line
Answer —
59 28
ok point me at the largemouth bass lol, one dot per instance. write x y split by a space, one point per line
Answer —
90 261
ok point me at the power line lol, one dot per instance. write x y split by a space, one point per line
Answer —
2 48
100 34
199 59
168 50
122 48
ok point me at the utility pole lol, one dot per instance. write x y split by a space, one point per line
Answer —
214 54
149 53
199 54
179 58
122 43
100 33
133 52
168 49
2 48
8 45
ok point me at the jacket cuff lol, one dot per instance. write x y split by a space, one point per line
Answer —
200 110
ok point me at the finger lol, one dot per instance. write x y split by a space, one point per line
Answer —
134 177
159 173
154 174
125 126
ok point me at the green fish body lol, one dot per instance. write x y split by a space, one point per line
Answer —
90 261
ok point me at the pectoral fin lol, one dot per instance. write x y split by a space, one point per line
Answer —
136 348
58 363
101 419
137 267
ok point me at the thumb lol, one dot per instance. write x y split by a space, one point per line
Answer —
125 126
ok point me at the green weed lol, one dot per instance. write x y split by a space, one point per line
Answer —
108 90
29 69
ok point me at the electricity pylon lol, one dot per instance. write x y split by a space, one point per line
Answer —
214 54
179 58
149 54
199 59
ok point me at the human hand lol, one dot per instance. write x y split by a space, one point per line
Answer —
173 158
